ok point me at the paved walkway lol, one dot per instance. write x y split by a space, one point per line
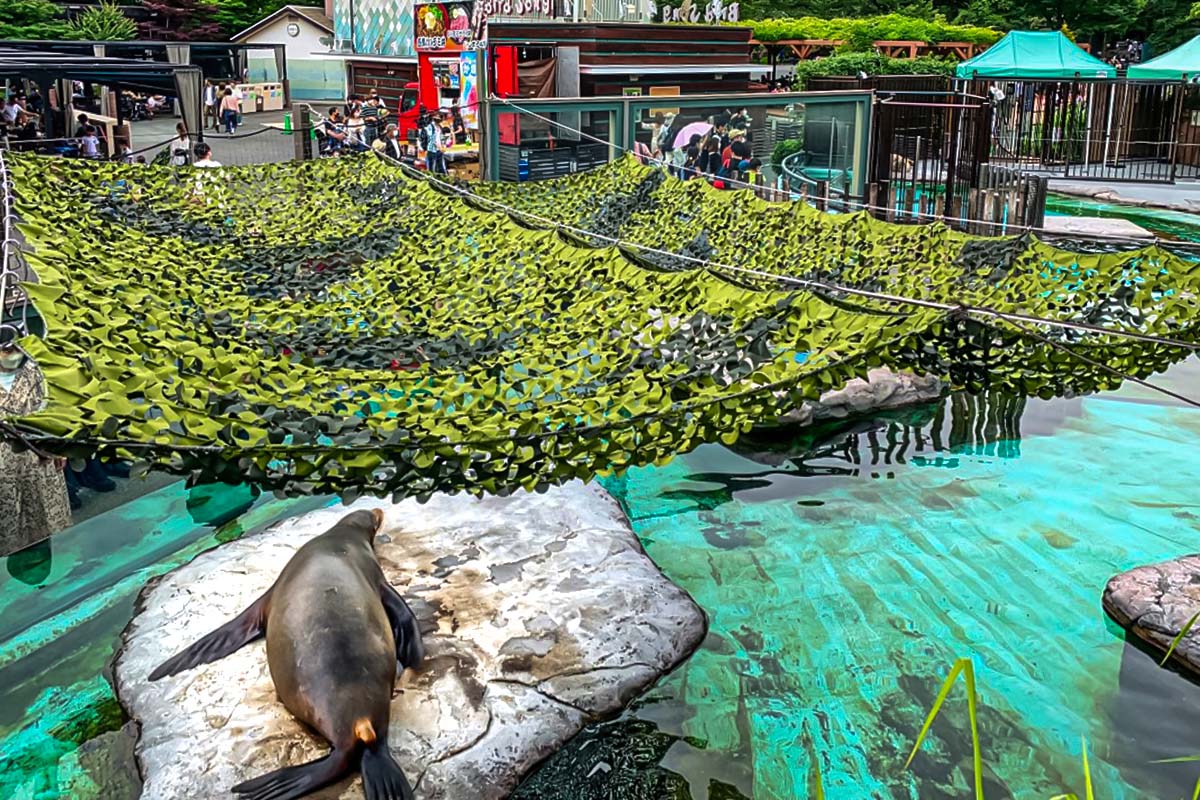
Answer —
1182 196
254 142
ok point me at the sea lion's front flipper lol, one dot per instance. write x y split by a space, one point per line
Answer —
242 629
409 650
291 782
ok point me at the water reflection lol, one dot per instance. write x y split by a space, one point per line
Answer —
32 564
844 568
931 435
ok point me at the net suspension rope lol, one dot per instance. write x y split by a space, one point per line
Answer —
852 203
800 282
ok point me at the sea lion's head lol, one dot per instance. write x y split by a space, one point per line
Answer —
365 523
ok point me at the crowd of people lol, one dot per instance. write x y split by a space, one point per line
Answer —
717 150
363 124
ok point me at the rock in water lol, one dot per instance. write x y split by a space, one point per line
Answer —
1155 602
540 612
883 389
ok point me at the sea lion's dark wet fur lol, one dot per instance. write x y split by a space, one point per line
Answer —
335 632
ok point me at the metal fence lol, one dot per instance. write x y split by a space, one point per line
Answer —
1096 130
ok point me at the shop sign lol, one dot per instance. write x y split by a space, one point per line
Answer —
508 8
711 12
442 26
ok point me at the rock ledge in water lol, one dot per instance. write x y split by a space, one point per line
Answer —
1155 602
540 612
883 389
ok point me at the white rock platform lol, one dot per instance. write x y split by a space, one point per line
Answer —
541 613
1155 602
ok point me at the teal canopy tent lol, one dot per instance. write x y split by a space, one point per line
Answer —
1032 55
1179 64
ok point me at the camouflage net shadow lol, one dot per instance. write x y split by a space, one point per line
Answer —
340 326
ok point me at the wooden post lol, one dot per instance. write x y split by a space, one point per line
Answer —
302 133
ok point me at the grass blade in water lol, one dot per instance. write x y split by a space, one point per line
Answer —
1179 637
963 665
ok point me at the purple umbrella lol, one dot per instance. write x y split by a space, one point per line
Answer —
685 133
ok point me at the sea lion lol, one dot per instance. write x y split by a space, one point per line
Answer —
335 631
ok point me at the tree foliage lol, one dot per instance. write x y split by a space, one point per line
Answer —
180 20
235 16
32 19
104 22
1163 23
861 34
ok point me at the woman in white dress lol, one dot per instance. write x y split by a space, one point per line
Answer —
181 146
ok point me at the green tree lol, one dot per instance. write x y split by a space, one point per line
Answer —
179 20
235 16
32 19
105 22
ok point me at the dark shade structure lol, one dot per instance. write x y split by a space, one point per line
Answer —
45 67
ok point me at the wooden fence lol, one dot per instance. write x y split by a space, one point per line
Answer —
1005 200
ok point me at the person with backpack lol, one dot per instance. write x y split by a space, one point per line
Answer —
430 139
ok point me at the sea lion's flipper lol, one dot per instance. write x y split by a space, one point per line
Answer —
409 650
242 629
291 782
382 777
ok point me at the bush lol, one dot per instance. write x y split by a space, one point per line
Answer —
860 35
105 22
872 64
785 148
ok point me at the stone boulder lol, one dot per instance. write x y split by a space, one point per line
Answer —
541 613
883 389
1155 602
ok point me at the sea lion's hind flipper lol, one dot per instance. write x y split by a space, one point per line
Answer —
382 777
242 629
409 650
291 782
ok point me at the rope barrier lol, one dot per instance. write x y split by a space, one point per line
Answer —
8 253
801 282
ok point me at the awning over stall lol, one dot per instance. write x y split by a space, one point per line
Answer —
1180 64
1030 55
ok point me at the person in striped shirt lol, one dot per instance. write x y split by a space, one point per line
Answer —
370 118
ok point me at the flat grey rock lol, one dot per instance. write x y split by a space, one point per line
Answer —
541 613
1155 602
883 389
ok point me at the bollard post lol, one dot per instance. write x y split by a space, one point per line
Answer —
303 139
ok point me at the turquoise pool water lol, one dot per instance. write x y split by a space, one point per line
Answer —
63 607
843 572
1167 224
843 578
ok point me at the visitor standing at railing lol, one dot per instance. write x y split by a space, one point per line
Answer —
370 118
431 143
356 131
204 157
33 491
181 146
89 143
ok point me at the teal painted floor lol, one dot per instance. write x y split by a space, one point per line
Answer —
843 579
